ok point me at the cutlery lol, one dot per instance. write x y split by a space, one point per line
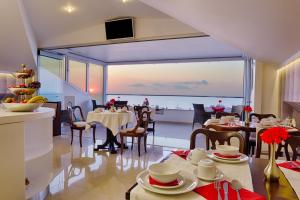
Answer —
218 187
236 185
225 187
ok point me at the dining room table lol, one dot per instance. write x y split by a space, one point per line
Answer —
113 121
250 174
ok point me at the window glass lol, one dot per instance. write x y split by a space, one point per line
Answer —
96 82
77 74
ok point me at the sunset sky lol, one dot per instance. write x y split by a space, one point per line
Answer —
218 78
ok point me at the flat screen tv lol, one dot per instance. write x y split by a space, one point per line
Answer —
119 28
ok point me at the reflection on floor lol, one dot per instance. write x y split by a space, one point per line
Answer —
81 173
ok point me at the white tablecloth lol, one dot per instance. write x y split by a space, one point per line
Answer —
111 120
239 171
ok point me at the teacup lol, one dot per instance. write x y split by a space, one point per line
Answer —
196 155
206 169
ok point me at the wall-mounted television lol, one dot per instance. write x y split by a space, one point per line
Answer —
119 28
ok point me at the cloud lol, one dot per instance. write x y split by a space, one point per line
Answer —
184 85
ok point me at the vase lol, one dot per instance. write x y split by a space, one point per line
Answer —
272 171
247 118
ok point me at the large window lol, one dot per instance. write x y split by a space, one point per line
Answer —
96 82
77 74
178 85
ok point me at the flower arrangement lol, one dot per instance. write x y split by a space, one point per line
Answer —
248 109
219 107
110 103
274 135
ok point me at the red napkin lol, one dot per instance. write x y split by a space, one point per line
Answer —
182 153
226 156
209 192
289 165
152 181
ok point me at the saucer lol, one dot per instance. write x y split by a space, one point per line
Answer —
180 183
237 158
219 176
243 158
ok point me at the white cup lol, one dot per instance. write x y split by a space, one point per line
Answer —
196 155
206 169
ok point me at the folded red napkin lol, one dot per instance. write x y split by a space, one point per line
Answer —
152 181
182 153
226 156
289 165
209 192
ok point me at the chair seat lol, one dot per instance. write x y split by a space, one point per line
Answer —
139 130
80 124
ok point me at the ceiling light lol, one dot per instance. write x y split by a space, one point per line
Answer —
69 8
125 1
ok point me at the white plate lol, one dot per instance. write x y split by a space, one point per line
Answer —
191 182
180 183
238 158
219 176
243 158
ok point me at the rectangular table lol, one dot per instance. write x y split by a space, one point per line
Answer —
280 190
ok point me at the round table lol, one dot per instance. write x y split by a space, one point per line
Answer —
113 121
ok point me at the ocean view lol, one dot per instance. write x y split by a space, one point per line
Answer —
176 102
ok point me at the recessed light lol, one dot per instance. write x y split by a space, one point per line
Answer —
69 8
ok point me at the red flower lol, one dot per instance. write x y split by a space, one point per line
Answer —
112 101
247 109
274 135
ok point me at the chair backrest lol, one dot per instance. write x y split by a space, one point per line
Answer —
237 109
121 103
222 114
138 110
294 142
121 106
198 108
143 121
95 105
220 136
261 116
199 114
77 114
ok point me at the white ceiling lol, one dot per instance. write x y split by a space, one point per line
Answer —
49 19
268 30
185 48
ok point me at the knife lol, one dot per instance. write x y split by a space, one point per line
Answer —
225 187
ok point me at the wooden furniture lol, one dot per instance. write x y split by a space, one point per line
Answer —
294 142
139 131
57 118
120 103
138 110
241 127
200 115
95 105
214 136
224 114
77 122
239 109
271 190
261 116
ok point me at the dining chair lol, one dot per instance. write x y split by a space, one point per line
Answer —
224 114
217 136
294 142
121 103
239 109
95 105
77 122
261 116
138 110
139 131
200 115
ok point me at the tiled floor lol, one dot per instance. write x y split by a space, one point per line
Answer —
81 173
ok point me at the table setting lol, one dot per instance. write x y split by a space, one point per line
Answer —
196 174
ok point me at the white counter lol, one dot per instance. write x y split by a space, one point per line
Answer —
23 137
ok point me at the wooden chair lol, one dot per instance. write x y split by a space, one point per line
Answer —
138 110
261 116
200 115
77 122
57 118
220 136
239 109
139 131
121 103
95 105
224 114
294 142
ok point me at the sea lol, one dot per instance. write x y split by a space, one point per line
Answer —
176 102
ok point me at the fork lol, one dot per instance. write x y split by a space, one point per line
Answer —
217 186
